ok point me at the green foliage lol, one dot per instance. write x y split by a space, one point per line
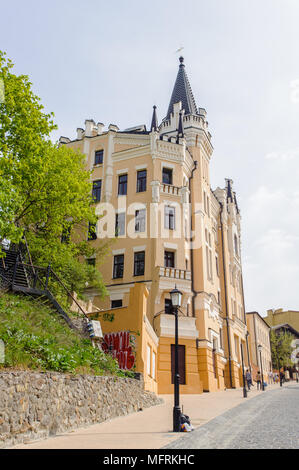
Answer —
36 338
45 190
281 349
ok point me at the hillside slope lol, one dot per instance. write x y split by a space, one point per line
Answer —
37 338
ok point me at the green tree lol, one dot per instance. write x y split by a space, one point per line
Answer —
281 349
45 189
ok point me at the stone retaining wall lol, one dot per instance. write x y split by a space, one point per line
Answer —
39 405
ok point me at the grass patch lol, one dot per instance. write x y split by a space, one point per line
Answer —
36 338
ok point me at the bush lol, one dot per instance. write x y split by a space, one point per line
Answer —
36 338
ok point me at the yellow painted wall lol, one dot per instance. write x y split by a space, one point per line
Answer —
133 319
193 382
278 317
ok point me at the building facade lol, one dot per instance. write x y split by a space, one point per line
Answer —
280 316
259 335
169 228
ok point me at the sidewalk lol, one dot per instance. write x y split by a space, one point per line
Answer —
148 429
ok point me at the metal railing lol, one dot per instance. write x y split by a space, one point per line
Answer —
174 273
170 189
38 278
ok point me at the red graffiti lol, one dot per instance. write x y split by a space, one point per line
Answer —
118 344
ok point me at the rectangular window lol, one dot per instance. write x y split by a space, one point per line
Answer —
237 349
92 231
91 261
154 366
120 222
169 259
122 185
167 176
148 361
169 218
140 220
168 306
98 157
221 337
118 266
141 181
116 303
139 263
96 190
66 235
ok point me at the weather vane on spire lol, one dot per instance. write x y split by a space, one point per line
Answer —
179 50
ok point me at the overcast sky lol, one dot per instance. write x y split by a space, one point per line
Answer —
111 61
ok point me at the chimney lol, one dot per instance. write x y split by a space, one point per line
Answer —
113 127
80 133
89 125
100 127
64 140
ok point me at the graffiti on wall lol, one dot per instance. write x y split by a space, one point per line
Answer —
118 345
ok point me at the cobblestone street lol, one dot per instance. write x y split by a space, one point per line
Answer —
267 421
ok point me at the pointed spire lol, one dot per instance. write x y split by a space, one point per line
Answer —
181 127
154 124
182 92
236 203
229 191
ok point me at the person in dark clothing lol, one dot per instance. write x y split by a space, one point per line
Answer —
248 379
258 380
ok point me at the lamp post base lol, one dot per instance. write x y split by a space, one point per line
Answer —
176 419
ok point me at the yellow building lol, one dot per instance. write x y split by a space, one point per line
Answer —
281 317
152 191
259 334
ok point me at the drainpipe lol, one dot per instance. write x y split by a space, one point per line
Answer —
194 293
225 294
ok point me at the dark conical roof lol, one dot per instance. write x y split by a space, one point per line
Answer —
182 92
154 124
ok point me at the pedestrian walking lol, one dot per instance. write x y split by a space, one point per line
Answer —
271 381
282 376
248 379
258 380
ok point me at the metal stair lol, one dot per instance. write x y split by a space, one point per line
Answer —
30 280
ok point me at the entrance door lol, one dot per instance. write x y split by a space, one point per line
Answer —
182 364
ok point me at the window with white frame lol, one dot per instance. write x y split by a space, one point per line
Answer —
209 255
237 349
120 224
140 216
169 217
154 366
148 362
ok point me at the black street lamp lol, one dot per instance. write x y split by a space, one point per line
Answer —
260 350
243 374
176 299
278 363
